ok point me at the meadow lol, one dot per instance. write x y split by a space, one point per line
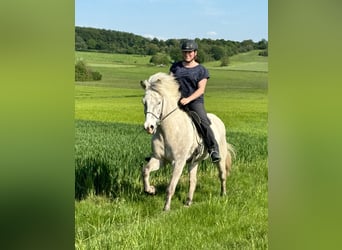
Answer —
111 209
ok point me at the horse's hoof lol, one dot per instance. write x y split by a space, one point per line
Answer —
151 190
188 203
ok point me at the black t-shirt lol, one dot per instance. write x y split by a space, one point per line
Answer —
188 78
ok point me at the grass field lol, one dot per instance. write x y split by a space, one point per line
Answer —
111 210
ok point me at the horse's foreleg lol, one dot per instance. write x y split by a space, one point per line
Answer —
153 165
192 182
177 171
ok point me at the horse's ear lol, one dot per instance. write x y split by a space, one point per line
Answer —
143 84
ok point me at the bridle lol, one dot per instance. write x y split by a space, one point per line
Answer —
160 118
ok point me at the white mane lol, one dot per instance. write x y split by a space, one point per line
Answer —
164 84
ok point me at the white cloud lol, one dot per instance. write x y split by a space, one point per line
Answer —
149 36
211 33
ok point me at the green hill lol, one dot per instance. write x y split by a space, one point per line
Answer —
249 61
110 41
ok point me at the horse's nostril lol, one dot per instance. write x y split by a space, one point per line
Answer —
152 127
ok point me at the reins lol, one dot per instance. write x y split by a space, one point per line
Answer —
160 120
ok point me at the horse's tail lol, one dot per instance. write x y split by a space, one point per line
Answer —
230 154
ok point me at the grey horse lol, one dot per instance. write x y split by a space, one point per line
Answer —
175 138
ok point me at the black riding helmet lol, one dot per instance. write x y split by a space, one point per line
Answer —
189 45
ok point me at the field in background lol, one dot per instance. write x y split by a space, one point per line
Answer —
110 149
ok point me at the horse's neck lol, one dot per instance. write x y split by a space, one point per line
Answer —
168 107
172 116
178 128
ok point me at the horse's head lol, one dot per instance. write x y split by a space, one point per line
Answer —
153 107
157 88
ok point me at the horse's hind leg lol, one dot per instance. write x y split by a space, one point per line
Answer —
192 183
224 170
153 165
222 175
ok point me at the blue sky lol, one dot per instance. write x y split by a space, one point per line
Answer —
235 20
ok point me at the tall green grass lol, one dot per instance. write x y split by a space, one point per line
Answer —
111 209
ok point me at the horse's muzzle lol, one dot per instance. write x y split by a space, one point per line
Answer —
150 129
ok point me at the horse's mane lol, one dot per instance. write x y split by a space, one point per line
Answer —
164 84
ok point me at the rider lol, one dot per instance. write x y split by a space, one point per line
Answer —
192 78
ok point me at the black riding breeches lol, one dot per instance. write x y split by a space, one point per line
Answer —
203 127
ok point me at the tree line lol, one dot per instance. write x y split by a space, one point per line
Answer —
110 41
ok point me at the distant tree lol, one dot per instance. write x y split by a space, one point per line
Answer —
91 43
201 56
152 49
217 52
204 54
130 50
263 53
173 43
224 61
83 73
80 44
101 45
96 76
175 54
246 45
263 44
160 59
128 43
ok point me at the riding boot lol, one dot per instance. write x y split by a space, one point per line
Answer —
214 155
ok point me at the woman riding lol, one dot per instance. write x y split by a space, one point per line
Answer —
192 78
